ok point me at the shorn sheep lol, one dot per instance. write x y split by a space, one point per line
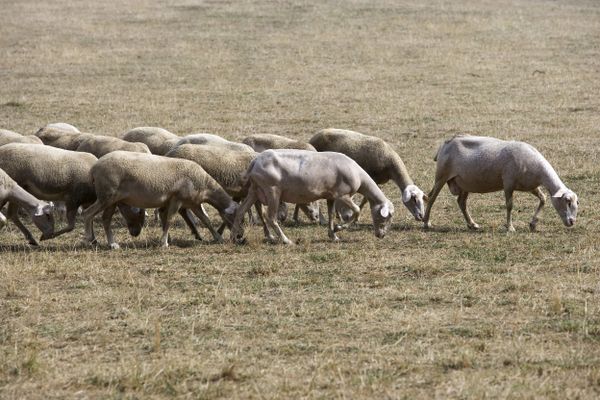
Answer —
148 181
158 140
378 159
300 176
476 164
17 197
263 141
54 174
7 136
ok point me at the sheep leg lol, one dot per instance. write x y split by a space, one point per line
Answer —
296 217
184 212
239 216
260 211
462 204
437 187
272 211
13 215
88 218
166 215
508 194
71 215
206 221
330 226
540 195
106 219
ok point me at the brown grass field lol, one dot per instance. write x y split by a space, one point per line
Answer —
448 313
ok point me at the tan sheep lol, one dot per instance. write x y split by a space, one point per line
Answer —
378 159
158 140
7 136
55 174
151 181
213 140
101 145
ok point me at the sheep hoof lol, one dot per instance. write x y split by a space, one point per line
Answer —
427 225
114 246
241 241
474 227
288 242
34 243
510 229
338 228
532 226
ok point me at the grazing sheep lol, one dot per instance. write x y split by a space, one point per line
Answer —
101 145
7 136
475 164
150 181
261 142
300 176
54 174
378 159
54 135
40 211
158 140
227 167
63 126
213 140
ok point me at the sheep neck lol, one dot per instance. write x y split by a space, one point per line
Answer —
399 173
218 198
550 179
370 190
24 199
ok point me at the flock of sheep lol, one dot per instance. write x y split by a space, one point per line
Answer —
151 167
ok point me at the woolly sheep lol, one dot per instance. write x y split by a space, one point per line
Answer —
300 176
7 136
151 181
476 164
54 136
101 145
227 167
63 126
54 174
378 159
158 140
213 140
40 211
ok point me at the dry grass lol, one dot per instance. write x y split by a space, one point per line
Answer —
446 314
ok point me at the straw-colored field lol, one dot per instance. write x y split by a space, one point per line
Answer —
447 313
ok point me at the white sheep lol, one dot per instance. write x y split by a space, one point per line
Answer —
151 181
54 135
158 140
17 197
378 159
300 176
7 136
55 174
263 141
476 164
100 145
213 140
63 126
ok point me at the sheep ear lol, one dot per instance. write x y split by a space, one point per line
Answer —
561 192
406 195
41 210
385 211
425 197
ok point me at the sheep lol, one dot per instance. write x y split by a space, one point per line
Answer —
40 211
7 136
63 126
213 140
300 176
158 140
151 181
227 167
54 135
477 164
378 159
261 142
101 145
51 173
